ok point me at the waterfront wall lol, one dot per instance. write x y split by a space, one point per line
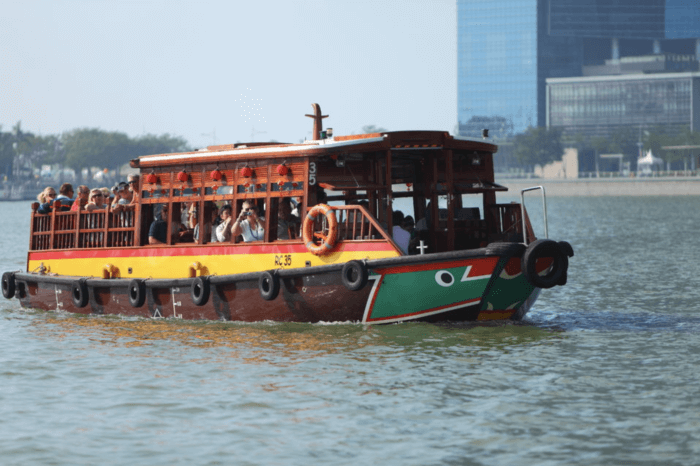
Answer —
689 186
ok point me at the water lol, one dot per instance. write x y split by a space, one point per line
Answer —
604 371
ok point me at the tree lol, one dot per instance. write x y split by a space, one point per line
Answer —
90 147
151 144
372 129
538 146
7 153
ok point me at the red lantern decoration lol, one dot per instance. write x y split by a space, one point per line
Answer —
216 175
183 176
282 170
246 172
280 183
151 178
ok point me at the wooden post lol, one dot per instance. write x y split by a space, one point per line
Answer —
451 203
266 236
56 206
107 214
389 195
35 207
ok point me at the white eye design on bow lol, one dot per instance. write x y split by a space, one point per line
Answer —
444 278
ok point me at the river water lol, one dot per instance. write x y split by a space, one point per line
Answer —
603 371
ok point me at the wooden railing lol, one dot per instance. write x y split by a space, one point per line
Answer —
82 229
355 223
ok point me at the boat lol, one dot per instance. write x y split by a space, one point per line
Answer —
472 259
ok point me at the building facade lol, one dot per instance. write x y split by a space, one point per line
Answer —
599 105
507 50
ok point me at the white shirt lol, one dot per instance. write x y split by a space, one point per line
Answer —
253 234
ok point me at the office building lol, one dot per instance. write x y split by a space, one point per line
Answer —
507 50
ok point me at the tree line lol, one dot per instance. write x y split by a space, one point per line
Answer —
540 146
21 150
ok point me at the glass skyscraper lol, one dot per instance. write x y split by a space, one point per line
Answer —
508 48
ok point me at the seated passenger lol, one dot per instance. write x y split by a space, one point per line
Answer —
96 201
65 195
46 198
158 232
286 221
82 198
248 224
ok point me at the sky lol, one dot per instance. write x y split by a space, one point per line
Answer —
229 71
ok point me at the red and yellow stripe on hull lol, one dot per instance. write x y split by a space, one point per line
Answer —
179 262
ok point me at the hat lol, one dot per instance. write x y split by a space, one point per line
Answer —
115 187
123 186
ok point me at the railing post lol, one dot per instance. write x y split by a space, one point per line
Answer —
544 210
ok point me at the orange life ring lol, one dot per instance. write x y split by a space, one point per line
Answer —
307 233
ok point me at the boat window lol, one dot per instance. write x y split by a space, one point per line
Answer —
220 190
155 193
287 186
251 188
185 192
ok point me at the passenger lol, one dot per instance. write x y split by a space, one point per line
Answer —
223 230
409 224
42 196
46 198
208 230
107 195
248 224
96 200
114 195
296 211
424 223
133 182
286 221
125 195
65 195
158 232
81 199
400 235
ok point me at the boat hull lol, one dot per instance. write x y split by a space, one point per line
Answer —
482 284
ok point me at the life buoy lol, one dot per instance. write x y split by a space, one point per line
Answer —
8 285
329 240
540 249
269 285
137 292
354 275
200 291
79 292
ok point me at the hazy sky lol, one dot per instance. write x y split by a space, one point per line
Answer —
192 68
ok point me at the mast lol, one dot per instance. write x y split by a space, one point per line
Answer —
318 121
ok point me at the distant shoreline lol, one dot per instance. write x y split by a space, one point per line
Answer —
666 186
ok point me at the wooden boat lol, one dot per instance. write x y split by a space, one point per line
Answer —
341 264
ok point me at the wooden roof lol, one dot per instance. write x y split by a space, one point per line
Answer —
396 140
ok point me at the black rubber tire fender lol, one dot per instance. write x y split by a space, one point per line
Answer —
8 285
137 292
200 291
79 292
537 250
269 285
354 275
